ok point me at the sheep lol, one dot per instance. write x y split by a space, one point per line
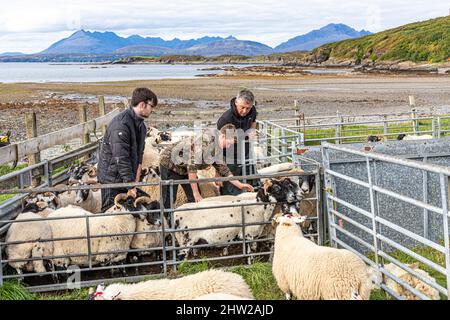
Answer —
88 199
311 272
208 189
185 288
413 281
373 138
154 190
221 296
285 166
33 232
407 137
41 203
151 157
103 225
200 216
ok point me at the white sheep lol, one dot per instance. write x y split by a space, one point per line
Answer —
312 272
33 232
88 199
98 225
185 288
154 190
202 215
280 167
408 137
413 281
221 296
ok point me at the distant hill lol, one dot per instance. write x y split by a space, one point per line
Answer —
230 47
10 54
85 42
316 38
426 41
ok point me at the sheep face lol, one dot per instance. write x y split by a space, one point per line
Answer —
288 220
153 218
283 191
37 202
307 184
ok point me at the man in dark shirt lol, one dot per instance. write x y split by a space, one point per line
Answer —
122 149
242 114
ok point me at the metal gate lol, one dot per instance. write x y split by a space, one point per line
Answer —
374 213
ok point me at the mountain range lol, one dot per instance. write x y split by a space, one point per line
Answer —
108 43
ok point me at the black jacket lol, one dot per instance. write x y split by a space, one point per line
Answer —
244 123
122 148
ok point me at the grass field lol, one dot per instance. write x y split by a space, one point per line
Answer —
258 276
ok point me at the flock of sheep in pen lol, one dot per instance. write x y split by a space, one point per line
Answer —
123 233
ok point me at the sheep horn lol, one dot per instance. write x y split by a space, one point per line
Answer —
92 172
73 181
57 201
120 196
144 199
91 180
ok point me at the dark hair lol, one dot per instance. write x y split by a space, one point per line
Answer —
143 95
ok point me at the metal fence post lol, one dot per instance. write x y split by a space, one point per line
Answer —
172 225
438 126
372 209
88 236
328 179
425 199
444 196
163 231
385 128
283 144
338 128
1 266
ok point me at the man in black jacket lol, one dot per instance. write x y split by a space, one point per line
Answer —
122 148
242 114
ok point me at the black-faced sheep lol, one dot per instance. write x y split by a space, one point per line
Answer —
114 225
408 137
202 215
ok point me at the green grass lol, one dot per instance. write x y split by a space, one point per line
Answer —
349 130
257 275
425 41
14 291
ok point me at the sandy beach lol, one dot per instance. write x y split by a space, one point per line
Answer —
57 104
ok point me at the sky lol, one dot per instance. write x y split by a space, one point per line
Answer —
32 26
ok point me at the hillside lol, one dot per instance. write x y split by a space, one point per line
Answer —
426 41
328 34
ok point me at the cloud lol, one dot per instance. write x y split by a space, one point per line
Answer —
32 26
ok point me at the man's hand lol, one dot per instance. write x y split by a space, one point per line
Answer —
132 192
197 197
219 183
246 187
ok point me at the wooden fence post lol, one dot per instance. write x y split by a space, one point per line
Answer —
31 124
85 138
102 111
415 123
